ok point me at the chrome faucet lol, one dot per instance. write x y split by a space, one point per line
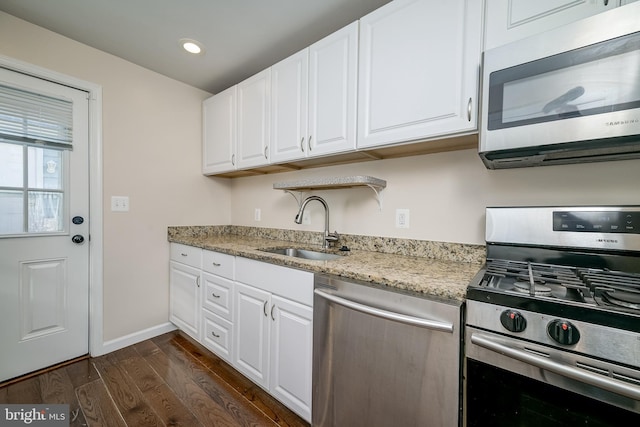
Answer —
328 237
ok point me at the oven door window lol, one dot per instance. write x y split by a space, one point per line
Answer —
499 398
596 79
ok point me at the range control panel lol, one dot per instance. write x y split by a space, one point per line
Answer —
597 221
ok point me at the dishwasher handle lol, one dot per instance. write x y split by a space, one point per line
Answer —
384 314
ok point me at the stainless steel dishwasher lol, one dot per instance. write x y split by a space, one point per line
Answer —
383 357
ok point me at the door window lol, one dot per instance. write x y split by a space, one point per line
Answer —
32 193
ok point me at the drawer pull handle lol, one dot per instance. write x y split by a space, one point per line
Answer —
216 264
214 334
183 254
214 295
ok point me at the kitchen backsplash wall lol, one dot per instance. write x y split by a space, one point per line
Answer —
446 195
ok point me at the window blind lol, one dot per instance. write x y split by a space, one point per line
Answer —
35 118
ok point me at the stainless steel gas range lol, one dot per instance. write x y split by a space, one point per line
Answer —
552 332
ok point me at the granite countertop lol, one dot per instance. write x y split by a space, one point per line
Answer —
444 279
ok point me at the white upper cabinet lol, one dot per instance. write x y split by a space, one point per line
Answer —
511 20
289 107
418 71
254 105
314 99
333 78
219 132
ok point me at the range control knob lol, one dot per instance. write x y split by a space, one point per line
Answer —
513 321
563 332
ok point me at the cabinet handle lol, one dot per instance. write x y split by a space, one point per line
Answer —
183 254
214 334
266 149
272 307
216 264
302 144
233 159
606 2
198 281
214 295
310 142
469 110
264 308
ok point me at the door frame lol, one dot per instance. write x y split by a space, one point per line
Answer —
96 342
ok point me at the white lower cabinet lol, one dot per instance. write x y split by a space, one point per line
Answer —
291 358
274 331
256 316
184 288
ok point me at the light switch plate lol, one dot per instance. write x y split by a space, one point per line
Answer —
120 203
402 218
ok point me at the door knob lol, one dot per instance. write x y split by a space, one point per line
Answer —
77 239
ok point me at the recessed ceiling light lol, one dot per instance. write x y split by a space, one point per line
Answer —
192 46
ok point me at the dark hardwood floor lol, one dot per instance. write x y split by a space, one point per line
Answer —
167 381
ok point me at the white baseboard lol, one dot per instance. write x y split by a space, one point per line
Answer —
134 338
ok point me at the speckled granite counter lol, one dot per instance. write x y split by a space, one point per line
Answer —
439 270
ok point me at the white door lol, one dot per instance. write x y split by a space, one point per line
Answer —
44 275
251 340
291 357
333 77
418 71
289 108
254 106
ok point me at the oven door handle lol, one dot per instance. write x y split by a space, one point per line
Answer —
403 318
583 376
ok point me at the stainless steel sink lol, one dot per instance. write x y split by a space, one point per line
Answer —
302 253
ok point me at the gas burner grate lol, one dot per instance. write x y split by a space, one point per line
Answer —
549 280
613 288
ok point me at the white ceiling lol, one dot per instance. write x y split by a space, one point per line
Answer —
241 37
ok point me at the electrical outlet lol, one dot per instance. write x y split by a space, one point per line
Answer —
306 218
402 218
120 203
257 213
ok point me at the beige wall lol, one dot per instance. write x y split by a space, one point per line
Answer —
151 153
446 194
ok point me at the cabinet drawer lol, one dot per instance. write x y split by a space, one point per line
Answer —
218 295
188 255
218 263
217 335
296 285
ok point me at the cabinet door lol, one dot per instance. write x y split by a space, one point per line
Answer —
289 80
291 358
419 67
333 73
511 20
254 98
184 298
219 132
251 337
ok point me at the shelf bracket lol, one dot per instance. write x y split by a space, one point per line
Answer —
378 191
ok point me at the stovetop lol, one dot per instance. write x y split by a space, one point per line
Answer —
560 262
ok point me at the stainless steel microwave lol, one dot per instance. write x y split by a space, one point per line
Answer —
568 95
